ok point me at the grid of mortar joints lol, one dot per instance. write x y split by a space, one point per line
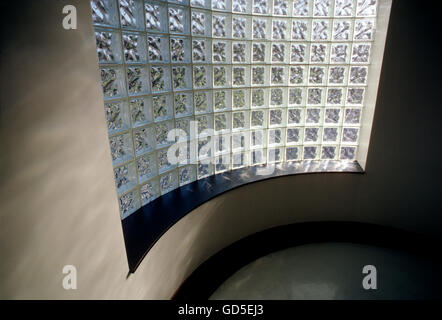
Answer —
276 80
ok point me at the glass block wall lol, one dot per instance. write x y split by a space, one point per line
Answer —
247 81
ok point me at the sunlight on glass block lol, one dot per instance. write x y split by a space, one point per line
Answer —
245 82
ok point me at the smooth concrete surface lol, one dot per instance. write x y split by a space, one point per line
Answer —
57 194
333 271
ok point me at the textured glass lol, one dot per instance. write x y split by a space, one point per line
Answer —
244 82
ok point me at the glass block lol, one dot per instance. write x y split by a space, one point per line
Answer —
297 75
366 8
116 116
181 78
300 8
146 167
292 153
131 14
134 47
168 182
364 29
163 161
219 4
259 75
298 53
183 103
222 100
259 98
158 49
205 124
295 116
335 96
129 202
200 3
361 53
275 136
201 23
341 30
137 80
238 52
144 139
108 46
184 124
112 82
125 177
240 99
140 111
201 51
348 153
344 8
240 6
279 52
321 8
315 96
276 117
219 26
300 30
339 53
258 138
355 96
332 116
150 191
275 155
121 148
296 96
358 75
310 153
239 160
320 30
330 135
337 75
104 12
277 97
203 103
239 27
260 28
187 175
258 118
222 144
318 53
162 107
156 16
260 52
317 75
329 152
222 122
280 30
313 116
352 116
180 49
350 135
294 135
221 52
260 6
278 75
239 120
239 76
178 20
205 148
205 169
161 131
201 77
159 76
258 157
222 163
280 7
